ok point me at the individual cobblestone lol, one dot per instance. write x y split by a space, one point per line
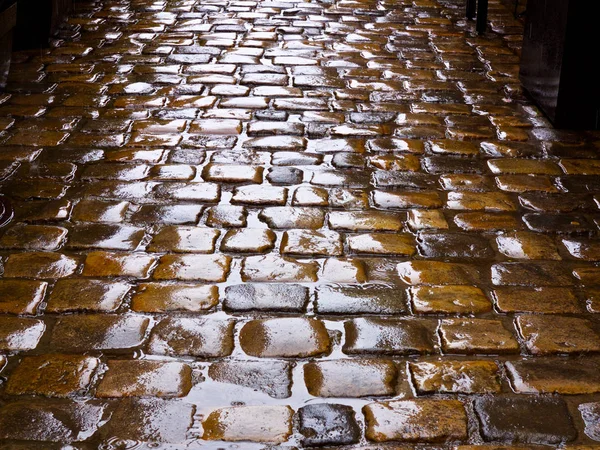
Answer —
183 336
525 420
410 421
279 338
52 375
249 423
328 424
271 377
21 296
355 377
457 377
126 378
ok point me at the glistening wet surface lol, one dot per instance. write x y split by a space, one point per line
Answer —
256 224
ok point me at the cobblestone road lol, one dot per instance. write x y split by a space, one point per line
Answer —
308 224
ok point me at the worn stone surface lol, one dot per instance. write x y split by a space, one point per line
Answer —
285 337
167 297
525 420
545 300
86 295
150 420
190 336
558 334
448 300
266 297
328 424
52 375
389 336
475 336
359 299
209 268
21 296
561 376
126 378
249 423
274 378
352 191
420 420
353 377
183 239
590 413
98 332
455 377
18 334
50 421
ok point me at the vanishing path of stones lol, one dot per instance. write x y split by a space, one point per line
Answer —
331 223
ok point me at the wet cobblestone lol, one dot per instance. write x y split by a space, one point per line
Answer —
257 224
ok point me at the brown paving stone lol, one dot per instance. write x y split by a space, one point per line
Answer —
583 249
309 242
69 295
184 239
33 237
210 268
249 423
248 240
49 420
39 265
426 219
191 336
524 245
563 376
259 195
587 275
406 200
105 264
105 236
99 211
543 300
477 336
20 333
416 273
487 222
150 419
98 332
284 337
232 173
167 297
455 377
547 335
226 216
525 420
448 300
141 378
52 375
486 201
355 377
149 117
389 336
21 296
361 221
421 420
531 274
168 214
381 244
